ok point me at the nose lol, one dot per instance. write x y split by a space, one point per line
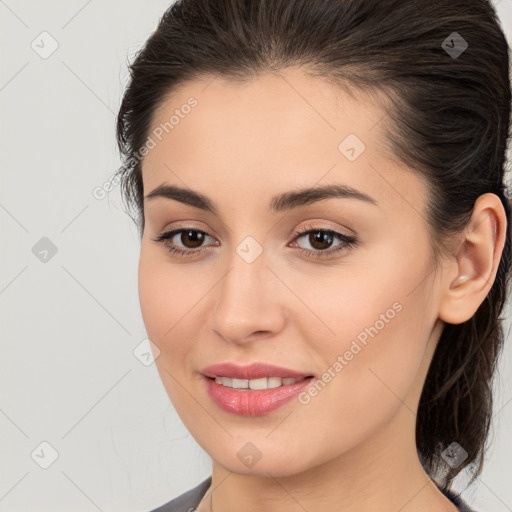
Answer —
248 302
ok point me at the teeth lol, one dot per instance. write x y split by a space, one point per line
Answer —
255 384
274 382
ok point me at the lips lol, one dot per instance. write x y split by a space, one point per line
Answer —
247 402
252 371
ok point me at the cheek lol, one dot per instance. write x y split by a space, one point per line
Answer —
163 296
376 317
165 301
375 293
371 370
170 298
154 303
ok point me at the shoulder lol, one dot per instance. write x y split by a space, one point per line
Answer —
188 501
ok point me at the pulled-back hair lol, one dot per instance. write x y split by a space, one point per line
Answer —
448 120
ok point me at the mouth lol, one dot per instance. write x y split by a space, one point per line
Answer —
253 390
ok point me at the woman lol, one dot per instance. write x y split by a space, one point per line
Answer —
325 243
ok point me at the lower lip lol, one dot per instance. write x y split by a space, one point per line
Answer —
247 402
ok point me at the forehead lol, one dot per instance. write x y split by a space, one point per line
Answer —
270 132
290 102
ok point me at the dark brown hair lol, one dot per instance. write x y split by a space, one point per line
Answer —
449 121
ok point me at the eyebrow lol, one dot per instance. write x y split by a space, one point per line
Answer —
281 203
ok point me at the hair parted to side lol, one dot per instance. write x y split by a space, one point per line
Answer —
449 122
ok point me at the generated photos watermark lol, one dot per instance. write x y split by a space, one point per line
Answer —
360 341
100 192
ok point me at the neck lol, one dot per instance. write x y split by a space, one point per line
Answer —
384 474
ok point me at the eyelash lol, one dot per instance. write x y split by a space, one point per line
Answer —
348 242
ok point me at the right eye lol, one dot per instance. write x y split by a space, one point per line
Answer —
188 235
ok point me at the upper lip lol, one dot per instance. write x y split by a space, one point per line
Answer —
252 371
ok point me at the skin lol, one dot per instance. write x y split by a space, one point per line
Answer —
352 447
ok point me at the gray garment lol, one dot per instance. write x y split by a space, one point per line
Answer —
188 501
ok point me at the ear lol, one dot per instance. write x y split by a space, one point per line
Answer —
471 272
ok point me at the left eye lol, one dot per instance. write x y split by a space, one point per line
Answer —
320 239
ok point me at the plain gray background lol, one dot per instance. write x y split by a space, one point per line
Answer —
85 423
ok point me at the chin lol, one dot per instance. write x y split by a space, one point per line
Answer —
287 464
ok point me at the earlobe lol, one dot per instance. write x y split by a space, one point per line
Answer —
476 261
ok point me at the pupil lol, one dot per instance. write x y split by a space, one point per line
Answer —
320 237
195 238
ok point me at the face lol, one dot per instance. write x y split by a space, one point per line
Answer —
340 289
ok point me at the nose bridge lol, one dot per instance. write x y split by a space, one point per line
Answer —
248 266
245 301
